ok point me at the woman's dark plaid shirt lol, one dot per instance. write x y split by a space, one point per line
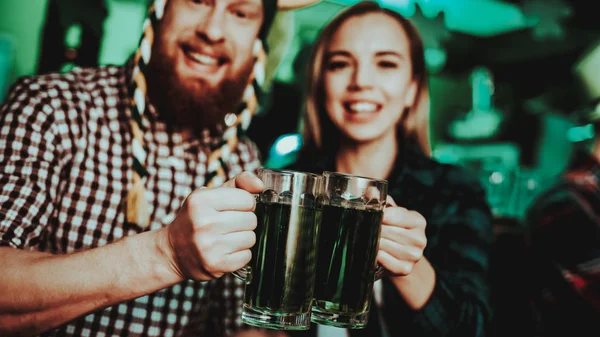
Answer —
65 169
459 234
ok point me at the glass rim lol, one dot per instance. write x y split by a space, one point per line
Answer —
290 172
346 175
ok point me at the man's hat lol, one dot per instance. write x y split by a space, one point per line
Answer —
294 4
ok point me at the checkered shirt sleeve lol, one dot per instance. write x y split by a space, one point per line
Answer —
31 157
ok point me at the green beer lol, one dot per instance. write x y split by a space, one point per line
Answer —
282 268
348 245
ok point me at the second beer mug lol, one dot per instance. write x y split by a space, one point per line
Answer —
352 215
280 276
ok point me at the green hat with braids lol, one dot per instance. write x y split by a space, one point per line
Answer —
235 122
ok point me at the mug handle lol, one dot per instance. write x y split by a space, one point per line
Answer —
380 271
245 273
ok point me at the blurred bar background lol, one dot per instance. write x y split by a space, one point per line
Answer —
505 75
507 82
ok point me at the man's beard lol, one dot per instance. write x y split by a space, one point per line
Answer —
193 105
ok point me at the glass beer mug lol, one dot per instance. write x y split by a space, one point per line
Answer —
280 276
352 214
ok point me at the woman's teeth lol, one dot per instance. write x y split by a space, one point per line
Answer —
362 107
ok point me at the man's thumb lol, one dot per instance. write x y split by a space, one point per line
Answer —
246 181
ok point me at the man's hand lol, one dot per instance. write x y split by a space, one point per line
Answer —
402 239
213 232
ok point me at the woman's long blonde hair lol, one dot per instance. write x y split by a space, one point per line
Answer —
319 132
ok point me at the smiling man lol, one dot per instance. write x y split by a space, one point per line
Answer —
202 59
106 227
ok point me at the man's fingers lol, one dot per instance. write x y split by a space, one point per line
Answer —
237 242
237 260
221 199
246 181
234 221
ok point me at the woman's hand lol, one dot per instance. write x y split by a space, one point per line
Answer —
402 239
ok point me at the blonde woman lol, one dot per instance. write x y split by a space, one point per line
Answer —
367 114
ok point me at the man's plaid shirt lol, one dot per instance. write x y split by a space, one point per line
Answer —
65 170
